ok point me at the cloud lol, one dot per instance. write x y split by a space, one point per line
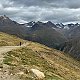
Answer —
41 10
49 3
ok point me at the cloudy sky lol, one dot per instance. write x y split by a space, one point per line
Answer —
58 11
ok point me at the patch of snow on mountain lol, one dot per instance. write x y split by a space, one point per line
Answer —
26 25
59 26
53 28
66 27
33 22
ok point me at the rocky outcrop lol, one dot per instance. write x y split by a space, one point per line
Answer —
38 74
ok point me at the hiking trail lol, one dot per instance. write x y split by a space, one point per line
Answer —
4 72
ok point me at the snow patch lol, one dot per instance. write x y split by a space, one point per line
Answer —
26 25
66 27
53 28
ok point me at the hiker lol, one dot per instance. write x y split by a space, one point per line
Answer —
20 43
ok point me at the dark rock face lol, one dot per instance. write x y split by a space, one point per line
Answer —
11 27
72 47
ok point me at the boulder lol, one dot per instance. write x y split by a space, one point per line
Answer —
38 74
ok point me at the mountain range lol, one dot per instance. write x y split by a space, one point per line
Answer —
63 37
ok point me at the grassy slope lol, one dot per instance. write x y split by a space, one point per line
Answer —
8 40
53 63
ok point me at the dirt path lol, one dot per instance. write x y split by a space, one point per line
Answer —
4 72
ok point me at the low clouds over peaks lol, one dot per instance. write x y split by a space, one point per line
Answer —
41 10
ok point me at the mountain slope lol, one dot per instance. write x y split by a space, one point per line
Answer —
53 63
7 40
72 47
11 27
34 31
45 35
74 32
69 30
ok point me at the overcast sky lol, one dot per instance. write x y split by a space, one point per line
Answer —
57 11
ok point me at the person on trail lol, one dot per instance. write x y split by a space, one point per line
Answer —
20 43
